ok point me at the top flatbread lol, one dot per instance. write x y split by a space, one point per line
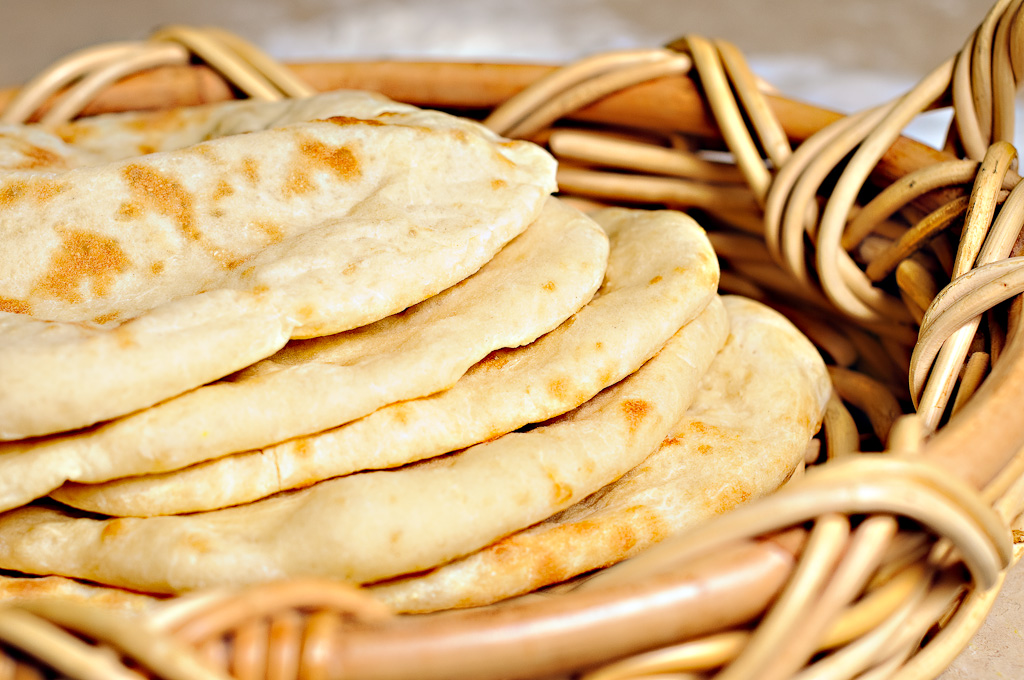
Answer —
129 281
532 285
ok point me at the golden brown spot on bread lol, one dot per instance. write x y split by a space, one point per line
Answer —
349 120
157 267
164 195
297 183
301 447
558 389
129 211
82 256
400 413
44 189
549 286
704 449
271 230
106 318
655 280
38 189
635 411
145 149
498 359
498 184
34 157
339 160
251 170
124 336
73 133
561 493
306 312
113 528
222 190
14 306
12 192
197 544
728 497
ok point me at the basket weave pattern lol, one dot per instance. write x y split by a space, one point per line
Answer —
901 262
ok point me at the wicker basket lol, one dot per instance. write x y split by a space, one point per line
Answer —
899 260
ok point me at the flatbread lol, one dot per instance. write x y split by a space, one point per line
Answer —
757 408
531 286
17 588
127 282
375 525
661 274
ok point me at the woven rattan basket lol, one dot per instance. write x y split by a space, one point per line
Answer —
902 262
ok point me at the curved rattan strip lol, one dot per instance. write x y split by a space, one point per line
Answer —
917 237
770 134
671 191
970 379
71 103
855 484
221 58
512 111
1016 45
903 191
694 655
1003 83
58 649
968 284
864 551
759 658
918 287
605 150
965 128
947 365
51 80
878 606
283 79
582 93
836 270
791 211
719 96
842 438
221 615
936 656
869 396
248 650
850 660
970 297
130 636
285 650
931 400
981 68
321 629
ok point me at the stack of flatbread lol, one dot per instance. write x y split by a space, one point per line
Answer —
348 338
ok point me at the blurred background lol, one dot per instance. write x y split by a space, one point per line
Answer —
844 54
876 46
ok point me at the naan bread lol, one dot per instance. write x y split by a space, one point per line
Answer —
757 408
370 526
130 281
532 285
661 273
